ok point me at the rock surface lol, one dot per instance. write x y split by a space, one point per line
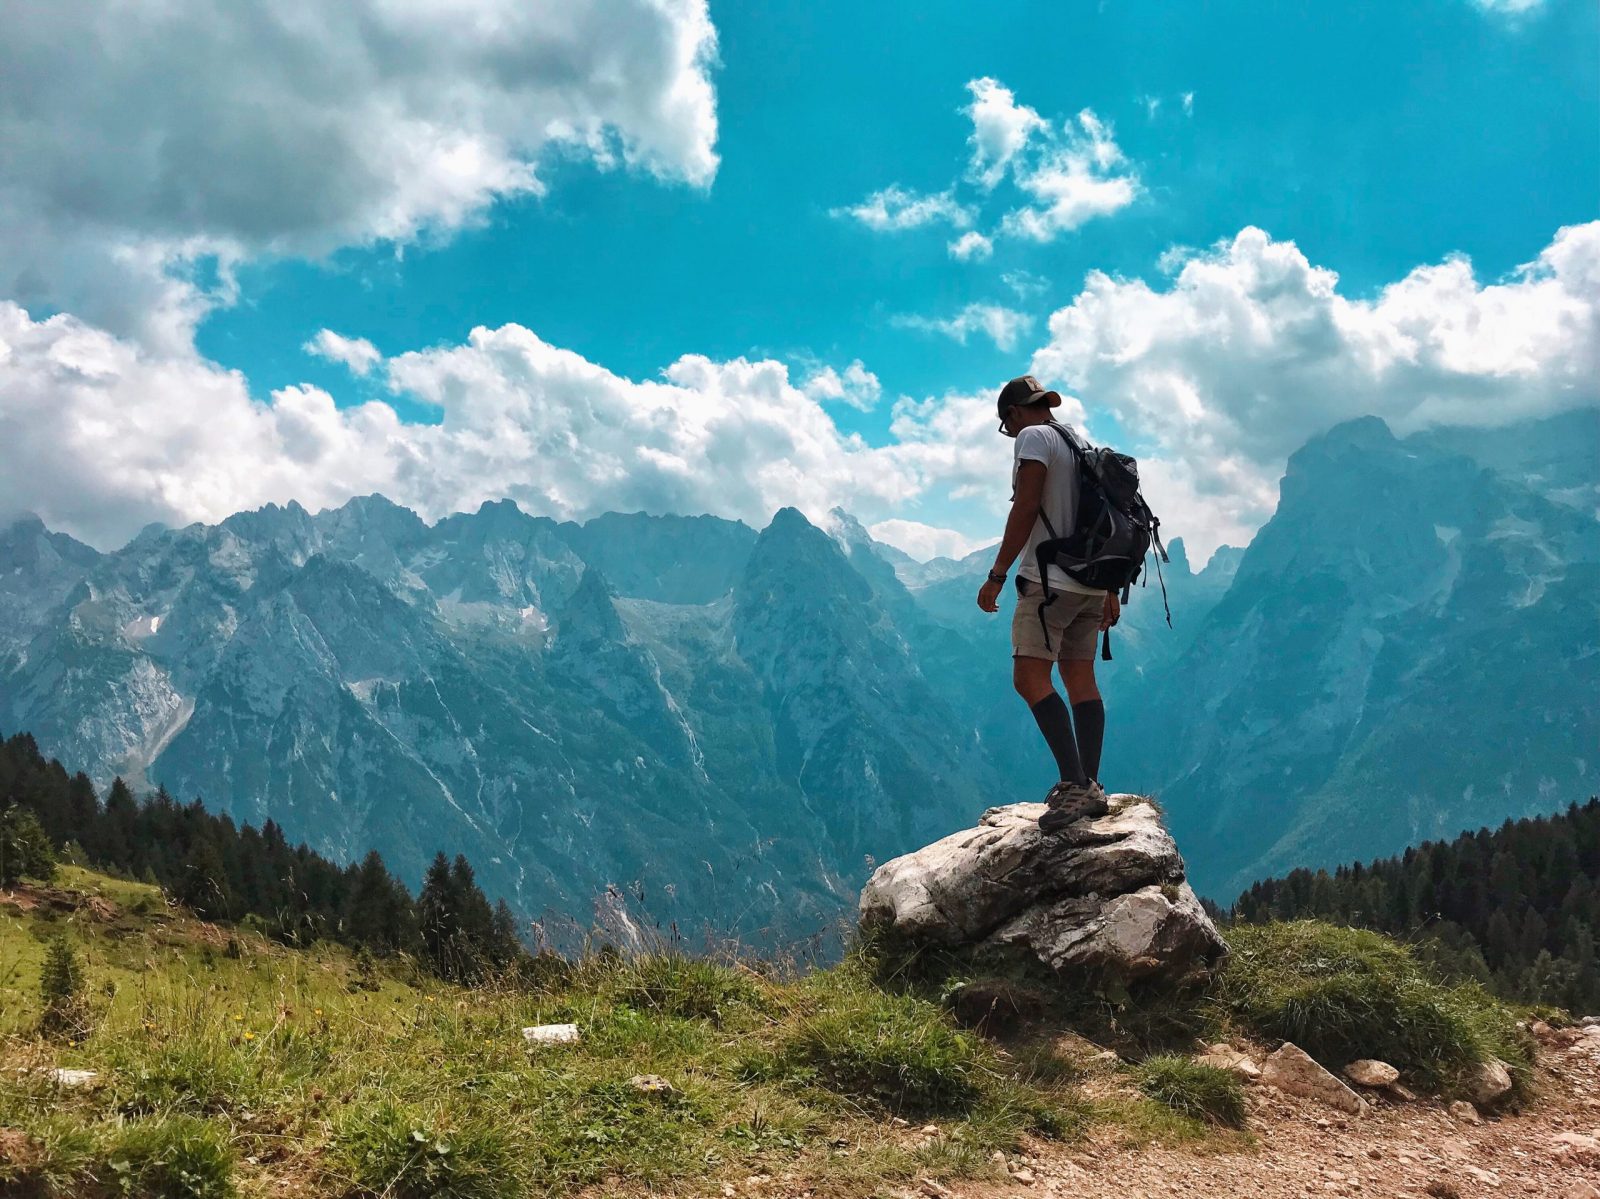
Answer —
1236 1062
1105 895
1369 1072
1489 1082
1295 1071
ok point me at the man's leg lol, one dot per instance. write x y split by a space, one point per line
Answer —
1088 712
1031 677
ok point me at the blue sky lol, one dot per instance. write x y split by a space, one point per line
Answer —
1370 139
1376 136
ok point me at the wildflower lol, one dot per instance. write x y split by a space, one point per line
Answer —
238 1019
249 1036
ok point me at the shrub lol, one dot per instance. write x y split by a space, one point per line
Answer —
25 850
895 1050
175 1158
400 1153
1191 1089
1342 994
65 1009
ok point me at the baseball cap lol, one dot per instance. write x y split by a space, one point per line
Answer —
1023 390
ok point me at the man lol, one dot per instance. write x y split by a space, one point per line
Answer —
1044 477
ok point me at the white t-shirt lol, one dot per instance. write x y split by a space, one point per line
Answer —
1041 443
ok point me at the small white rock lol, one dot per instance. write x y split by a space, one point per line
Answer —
551 1034
64 1076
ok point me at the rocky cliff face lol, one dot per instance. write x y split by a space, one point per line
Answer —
1102 900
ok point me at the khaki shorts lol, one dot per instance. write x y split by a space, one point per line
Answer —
1073 619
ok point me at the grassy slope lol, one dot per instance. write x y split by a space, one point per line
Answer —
299 1073
249 1068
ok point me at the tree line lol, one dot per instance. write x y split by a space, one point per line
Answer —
1517 908
238 874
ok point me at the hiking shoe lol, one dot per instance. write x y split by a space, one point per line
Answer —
1069 803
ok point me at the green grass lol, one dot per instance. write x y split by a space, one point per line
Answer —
237 1069
1342 994
1191 1089
229 1065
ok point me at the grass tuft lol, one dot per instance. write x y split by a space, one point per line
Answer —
690 988
1343 993
1198 1091
896 1051
176 1158
405 1153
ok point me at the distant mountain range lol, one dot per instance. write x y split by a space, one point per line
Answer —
729 725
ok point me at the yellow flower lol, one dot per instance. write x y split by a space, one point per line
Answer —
249 1036
318 1011
238 1019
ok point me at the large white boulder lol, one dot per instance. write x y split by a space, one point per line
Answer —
1104 895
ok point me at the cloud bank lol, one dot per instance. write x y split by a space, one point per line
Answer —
1251 350
151 145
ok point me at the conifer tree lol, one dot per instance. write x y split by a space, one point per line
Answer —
25 850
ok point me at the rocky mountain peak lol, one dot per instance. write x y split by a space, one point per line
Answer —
589 618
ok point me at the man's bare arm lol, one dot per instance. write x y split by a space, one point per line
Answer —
1025 507
1024 511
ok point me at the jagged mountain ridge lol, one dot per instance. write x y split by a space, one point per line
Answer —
368 680
743 718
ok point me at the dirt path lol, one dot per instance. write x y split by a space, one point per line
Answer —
1403 1150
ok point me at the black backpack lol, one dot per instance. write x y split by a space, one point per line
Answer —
1112 534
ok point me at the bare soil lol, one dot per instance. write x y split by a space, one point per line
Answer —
1296 1147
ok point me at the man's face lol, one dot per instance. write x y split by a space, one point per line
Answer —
1020 416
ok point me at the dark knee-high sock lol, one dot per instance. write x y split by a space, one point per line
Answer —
1051 713
1089 720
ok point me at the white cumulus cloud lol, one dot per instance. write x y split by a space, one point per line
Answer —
1000 129
152 141
1003 326
107 436
855 385
971 246
896 208
924 542
1080 174
1252 349
357 354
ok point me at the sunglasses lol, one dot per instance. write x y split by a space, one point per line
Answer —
1005 432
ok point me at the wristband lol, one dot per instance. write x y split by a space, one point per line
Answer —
994 578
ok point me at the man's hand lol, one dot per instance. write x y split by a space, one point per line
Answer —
989 595
1110 611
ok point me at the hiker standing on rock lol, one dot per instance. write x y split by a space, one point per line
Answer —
1054 474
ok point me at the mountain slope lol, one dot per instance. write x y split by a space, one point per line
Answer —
1409 647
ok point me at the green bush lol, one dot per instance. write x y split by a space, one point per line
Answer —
25 850
176 1158
400 1153
1198 1091
1342 994
895 1050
